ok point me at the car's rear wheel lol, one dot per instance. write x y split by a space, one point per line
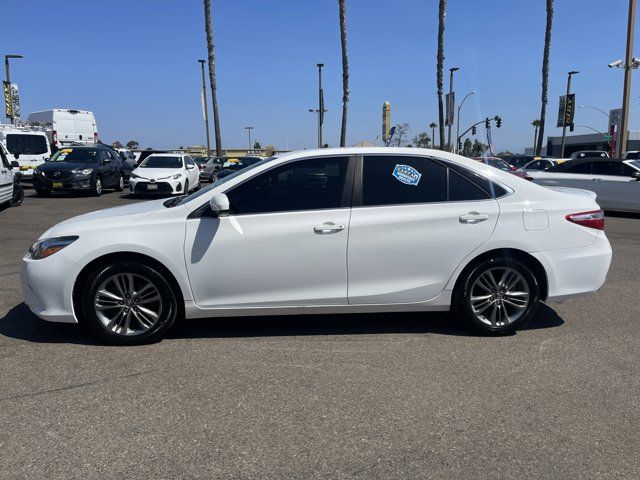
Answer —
129 303
496 296
120 185
18 195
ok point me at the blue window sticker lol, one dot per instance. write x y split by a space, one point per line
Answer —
407 175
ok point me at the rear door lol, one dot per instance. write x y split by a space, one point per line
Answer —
576 175
413 221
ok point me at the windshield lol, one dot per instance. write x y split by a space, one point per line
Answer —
161 162
76 155
26 144
201 160
202 191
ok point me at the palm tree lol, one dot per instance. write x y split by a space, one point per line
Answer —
536 125
345 71
212 74
442 12
545 74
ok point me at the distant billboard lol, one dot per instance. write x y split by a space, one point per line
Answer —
566 110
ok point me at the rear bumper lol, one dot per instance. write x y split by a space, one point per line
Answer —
573 272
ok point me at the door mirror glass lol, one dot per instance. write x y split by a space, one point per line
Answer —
219 204
106 160
16 156
190 167
15 164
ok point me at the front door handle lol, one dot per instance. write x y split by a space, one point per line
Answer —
473 217
328 227
596 179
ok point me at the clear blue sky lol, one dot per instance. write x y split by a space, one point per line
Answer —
133 63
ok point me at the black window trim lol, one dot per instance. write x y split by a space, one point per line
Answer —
460 170
347 193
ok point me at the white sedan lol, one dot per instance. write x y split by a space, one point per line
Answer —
165 173
615 182
324 231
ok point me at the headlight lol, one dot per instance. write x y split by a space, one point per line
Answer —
47 247
84 171
177 176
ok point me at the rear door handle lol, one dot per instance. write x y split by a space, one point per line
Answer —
473 217
327 228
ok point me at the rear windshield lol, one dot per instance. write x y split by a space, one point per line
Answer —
239 163
162 162
26 144
76 155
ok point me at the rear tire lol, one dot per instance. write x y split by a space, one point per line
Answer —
18 196
128 303
496 296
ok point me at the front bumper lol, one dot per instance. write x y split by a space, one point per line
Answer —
162 187
573 272
47 287
81 183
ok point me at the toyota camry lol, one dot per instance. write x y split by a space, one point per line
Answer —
325 231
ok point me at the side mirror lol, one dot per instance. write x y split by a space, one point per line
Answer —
219 205
15 164
190 167
106 160
16 156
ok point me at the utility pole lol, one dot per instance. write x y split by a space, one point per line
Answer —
624 118
7 70
320 104
206 109
450 106
248 129
566 101
455 149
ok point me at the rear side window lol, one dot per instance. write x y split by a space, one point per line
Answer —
388 180
461 189
579 168
26 144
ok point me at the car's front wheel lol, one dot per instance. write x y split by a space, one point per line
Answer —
97 187
496 296
120 184
18 195
129 303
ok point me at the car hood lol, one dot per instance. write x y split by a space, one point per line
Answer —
157 173
117 217
65 166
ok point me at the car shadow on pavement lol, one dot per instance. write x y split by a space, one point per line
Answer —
20 323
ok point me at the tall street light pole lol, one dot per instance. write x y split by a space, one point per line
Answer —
624 118
566 100
206 109
8 71
248 129
455 149
320 104
450 105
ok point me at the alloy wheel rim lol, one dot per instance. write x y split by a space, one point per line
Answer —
128 304
121 183
98 185
499 296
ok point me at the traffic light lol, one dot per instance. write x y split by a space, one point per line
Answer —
498 121
473 130
486 123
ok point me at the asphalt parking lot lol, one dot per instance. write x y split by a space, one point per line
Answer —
358 396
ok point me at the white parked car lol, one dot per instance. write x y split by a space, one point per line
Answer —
537 165
165 173
615 182
324 231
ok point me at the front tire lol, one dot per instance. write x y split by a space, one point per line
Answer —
120 185
496 296
18 196
97 187
129 303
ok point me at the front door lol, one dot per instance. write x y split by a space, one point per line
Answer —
417 221
615 187
284 242
6 178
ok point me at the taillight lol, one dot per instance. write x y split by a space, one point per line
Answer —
95 137
593 219
54 137
513 169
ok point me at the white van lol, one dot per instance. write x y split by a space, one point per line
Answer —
29 146
67 126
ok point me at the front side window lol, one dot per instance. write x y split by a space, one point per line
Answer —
607 168
392 180
26 144
303 185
